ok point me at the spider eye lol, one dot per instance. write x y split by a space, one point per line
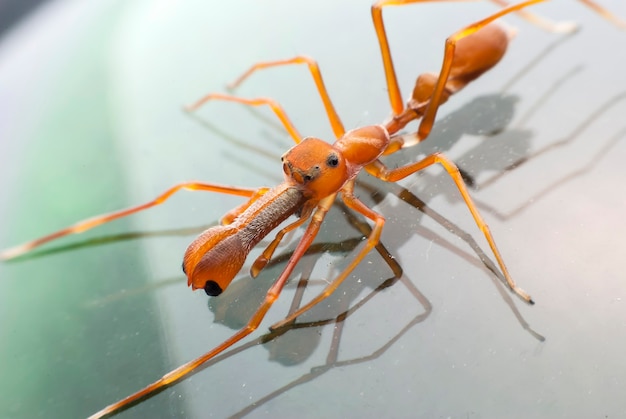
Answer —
332 160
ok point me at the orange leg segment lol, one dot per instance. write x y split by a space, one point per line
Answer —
431 111
566 27
90 223
393 175
275 106
267 254
234 213
620 23
372 240
314 69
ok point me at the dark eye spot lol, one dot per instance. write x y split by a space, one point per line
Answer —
308 178
332 160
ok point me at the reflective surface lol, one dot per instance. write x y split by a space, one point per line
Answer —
92 122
